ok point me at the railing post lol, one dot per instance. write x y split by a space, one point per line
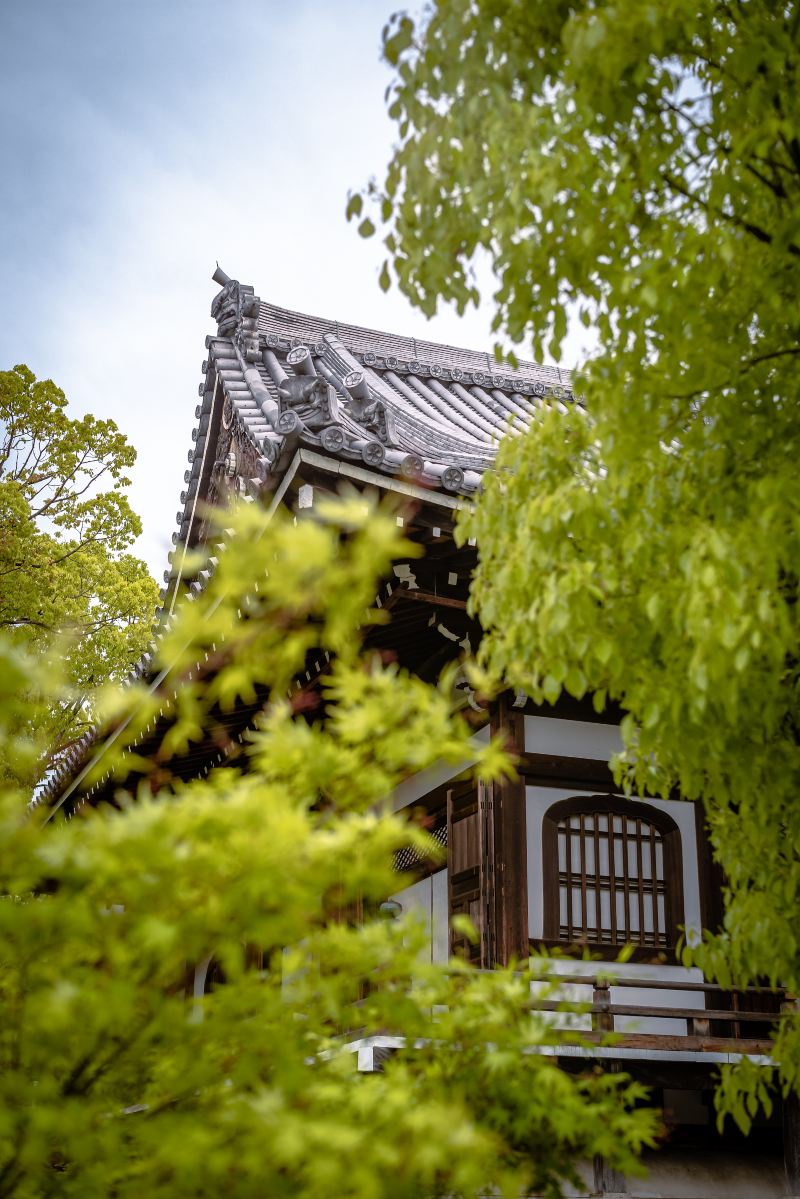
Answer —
602 1017
699 1026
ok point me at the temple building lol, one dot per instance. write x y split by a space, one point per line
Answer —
291 406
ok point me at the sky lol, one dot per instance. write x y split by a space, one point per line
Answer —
144 141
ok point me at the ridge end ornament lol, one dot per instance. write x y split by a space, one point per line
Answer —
309 399
366 409
235 309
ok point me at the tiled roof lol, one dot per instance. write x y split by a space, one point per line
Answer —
432 414
404 406
426 412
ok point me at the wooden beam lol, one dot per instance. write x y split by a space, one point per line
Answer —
428 597
580 773
605 1009
676 1042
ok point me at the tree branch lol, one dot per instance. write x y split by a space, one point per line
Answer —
774 354
16 622
739 222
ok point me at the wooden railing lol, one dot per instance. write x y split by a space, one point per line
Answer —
743 1029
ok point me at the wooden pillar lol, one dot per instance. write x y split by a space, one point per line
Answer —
791 1144
709 875
607 1180
710 880
510 906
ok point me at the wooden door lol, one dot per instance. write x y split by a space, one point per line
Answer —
470 859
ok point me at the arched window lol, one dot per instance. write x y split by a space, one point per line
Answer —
612 874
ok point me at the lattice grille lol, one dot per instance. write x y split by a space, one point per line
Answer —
611 880
409 859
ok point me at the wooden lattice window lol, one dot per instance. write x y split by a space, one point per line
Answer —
612 874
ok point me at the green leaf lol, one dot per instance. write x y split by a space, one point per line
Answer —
355 204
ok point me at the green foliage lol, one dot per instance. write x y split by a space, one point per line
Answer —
68 589
117 1079
641 169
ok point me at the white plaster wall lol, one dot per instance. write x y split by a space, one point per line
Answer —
538 800
571 738
419 785
564 993
428 899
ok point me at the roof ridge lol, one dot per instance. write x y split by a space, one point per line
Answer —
415 348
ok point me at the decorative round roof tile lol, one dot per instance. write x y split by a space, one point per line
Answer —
332 438
289 422
412 466
373 453
453 478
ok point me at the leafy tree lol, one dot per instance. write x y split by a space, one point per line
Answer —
67 586
640 170
119 1076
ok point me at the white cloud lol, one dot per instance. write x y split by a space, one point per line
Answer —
239 147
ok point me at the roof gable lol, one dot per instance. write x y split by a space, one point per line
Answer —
430 412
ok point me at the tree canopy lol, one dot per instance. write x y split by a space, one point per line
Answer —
637 170
122 1074
67 584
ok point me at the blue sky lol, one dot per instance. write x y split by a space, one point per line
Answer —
143 141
